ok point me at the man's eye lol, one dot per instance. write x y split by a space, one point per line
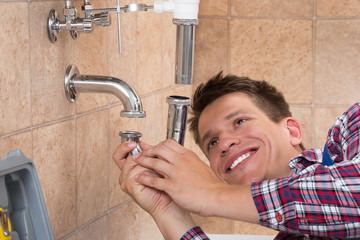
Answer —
212 143
240 121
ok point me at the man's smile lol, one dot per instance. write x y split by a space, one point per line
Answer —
238 159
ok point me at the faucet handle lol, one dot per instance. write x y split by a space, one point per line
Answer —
102 19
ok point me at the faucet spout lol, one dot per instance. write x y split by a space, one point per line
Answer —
76 83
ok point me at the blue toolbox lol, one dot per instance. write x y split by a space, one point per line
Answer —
23 214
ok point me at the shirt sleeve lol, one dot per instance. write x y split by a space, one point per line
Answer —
343 139
195 233
318 200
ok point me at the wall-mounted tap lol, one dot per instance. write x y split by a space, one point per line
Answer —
76 83
101 17
75 24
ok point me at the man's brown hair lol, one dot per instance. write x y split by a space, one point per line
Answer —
264 95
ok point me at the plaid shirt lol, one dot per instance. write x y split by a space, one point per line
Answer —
316 201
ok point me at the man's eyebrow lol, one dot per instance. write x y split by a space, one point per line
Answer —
232 114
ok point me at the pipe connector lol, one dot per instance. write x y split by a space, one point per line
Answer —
161 7
76 83
127 136
177 116
182 9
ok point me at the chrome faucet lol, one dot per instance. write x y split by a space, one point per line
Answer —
75 24
177 115
76 83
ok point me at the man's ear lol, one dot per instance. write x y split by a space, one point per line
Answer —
295 131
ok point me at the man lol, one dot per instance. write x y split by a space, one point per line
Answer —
258 172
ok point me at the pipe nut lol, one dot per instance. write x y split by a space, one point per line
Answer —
102 19
87 7
87 24
69 12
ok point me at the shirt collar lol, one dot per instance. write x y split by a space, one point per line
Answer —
306 158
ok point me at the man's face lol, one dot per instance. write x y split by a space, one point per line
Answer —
242 144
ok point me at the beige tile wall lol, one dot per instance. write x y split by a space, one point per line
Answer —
72 144
308 48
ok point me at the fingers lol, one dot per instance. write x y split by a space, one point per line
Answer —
159 158
122 151
129 172
168 150
161 167
149 172
152 180
144 146
164 157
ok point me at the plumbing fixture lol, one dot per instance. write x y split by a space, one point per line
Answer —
127 136
75 24
186 18
76 83
185 45
101 17
177 115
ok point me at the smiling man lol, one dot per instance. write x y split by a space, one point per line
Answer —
237 138
259 171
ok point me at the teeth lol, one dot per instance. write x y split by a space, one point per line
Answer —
239 160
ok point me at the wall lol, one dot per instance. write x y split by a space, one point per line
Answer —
72 144
307 48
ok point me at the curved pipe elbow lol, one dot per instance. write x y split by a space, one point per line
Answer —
76 83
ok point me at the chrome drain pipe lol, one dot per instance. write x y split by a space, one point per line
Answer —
177 116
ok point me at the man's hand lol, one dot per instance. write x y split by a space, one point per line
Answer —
151 200
184 176
193 185
172 220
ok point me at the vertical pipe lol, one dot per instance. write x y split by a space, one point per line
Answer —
119 27
184 62
68 4
177 115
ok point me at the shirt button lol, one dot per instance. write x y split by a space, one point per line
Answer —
278 217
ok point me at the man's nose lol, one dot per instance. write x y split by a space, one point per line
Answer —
226 143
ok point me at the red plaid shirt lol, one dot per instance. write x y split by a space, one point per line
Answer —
316 201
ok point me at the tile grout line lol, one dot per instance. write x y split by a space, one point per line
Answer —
109 129
76 174
95 219
76 115
314 20
229 68
281 18
229 36
30 82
